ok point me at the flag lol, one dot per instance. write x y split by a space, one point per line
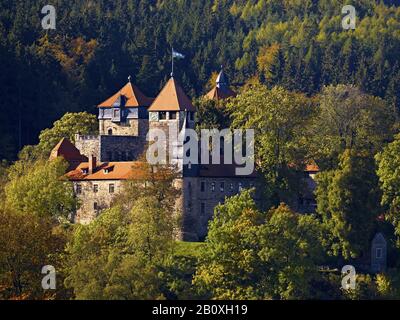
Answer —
176 54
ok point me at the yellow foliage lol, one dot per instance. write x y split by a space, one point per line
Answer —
267 58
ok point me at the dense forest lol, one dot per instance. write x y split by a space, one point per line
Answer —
297 44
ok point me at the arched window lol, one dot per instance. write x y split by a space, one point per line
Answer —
110 132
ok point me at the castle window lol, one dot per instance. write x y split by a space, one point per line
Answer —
191 116
172 115
95 206
378 253
222 186
110 132
240 187
111 188
202 208
202 186
163 115
78 189
95 188
213 186
231 187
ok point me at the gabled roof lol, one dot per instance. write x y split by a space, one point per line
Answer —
133 98
68 151
172 98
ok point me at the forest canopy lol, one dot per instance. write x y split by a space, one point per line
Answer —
299 45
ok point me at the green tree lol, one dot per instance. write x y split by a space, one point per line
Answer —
388 163
349 119
66 127
40 189
119 255
211 114
278 118
348 200
251 255
28 243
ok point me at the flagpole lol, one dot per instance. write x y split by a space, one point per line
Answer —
172 59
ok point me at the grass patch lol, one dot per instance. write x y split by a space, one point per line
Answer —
188 249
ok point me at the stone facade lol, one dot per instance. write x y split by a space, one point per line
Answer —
88 145
121 148
202 194
94 196
130 127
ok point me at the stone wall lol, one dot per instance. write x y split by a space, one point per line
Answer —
128 128
87 198
121 148
199 205
88 145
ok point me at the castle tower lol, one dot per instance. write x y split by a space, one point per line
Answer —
221 90
172 112
125 113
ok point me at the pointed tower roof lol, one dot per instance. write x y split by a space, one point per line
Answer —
132 95
67 150
221 90
172 98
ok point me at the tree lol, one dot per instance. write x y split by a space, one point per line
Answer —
349 119
119 255
278 118
69 125
66 127
291 251
28 243
211 114
3 180
159 181
389 177
252 255
40 189
348 202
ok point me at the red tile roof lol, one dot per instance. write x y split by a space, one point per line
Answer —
134 97
116 171
220 94
172 98
68 151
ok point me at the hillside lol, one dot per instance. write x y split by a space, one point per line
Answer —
97 44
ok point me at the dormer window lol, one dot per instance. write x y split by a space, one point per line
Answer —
108 169
85 170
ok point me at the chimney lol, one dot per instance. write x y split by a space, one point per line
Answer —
92 164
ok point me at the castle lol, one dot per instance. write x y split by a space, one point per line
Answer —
99 164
